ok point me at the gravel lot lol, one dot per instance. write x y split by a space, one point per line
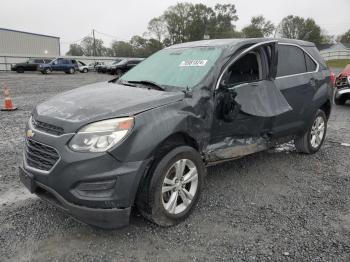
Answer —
272 206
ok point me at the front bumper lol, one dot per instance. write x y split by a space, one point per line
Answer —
103 218
342 91
95 188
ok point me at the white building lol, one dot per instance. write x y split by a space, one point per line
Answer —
18 43
335 51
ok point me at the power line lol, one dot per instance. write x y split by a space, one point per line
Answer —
73 42
110 35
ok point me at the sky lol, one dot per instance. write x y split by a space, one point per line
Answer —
71 20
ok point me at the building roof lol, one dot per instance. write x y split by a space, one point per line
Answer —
323 46
346 45
23 32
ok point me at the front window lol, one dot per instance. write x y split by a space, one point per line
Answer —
182 68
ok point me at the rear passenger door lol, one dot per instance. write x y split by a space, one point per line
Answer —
297 82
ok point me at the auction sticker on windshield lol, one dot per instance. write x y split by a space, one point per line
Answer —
193 63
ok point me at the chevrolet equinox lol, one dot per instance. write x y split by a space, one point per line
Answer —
146 138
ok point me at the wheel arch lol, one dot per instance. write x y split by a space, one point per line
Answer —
326 108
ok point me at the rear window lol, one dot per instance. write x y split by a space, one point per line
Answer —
310 64
291 60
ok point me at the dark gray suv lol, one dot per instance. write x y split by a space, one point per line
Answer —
145 139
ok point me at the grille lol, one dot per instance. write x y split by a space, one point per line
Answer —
40 156
47 128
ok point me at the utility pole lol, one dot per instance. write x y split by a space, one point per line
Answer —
93 35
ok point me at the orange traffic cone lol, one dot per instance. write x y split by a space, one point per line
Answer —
8 105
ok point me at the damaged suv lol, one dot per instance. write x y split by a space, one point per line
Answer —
146 138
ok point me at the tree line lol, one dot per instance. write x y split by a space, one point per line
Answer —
185 22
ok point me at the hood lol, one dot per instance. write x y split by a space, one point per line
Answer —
99 101
345 71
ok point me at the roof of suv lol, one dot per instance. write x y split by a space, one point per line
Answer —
235 41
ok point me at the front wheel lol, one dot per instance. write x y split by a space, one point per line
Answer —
340 101
311 141
170 194
47 71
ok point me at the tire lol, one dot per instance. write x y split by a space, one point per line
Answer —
340 101
20 70
43 72
47 71
157 206
311 141
71 71
85 70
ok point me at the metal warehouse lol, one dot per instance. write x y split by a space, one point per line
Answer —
18 43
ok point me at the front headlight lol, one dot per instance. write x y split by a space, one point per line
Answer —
101 136
349 80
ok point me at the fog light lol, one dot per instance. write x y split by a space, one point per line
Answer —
96 186
96 189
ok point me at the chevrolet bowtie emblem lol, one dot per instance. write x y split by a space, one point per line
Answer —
30 133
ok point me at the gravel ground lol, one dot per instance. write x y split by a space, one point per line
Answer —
272 206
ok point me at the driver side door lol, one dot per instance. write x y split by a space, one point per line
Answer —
246 103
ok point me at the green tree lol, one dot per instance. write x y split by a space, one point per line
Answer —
201 17
221 26
75 50
122 49
259 27
143 47
157 28
345 38
296 27
90 49
177 20
190 22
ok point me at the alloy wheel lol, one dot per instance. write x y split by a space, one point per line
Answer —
317 132
179 186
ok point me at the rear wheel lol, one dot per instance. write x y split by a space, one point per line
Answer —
71 70
85 70
20 70
311 141
169 195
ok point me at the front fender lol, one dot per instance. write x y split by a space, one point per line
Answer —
154 126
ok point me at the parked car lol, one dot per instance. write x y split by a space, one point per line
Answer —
104 68
69 66
83 68
146 138
123 66
342 84
30 65
99 66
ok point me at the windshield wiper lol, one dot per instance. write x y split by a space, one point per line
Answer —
150 83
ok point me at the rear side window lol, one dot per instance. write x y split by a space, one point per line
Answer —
291 60
310 64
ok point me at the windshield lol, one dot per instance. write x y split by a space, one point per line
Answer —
182 68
